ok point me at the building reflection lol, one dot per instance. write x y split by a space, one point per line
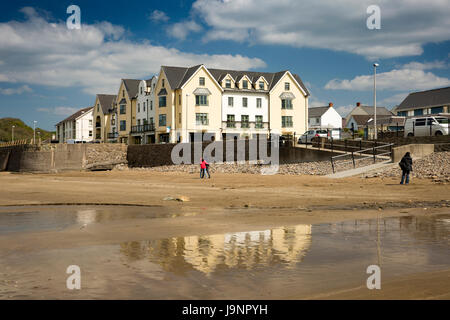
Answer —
248 250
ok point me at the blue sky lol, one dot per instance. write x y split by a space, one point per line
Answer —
48 71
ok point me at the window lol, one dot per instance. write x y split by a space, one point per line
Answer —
244 102
230 121
179 117
201 119
141 90
286 104
151 105
162 120
123 109
420 122
244 121
98 108
201 100
90 122
123 125
201 81
139 107
244 84
162 83
258 102
261 85
418 112
287 86
317 120
162 101
139 122
286 122
228 83
230 101
435 110
123 93
259 122
144 105
179 99
90 133
151 120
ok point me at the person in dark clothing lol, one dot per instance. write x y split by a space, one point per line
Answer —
406 166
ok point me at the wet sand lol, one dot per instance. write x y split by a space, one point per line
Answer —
223 204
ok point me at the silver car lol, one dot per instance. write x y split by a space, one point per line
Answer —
310 134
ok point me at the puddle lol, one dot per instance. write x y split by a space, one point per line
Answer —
287 262
46 218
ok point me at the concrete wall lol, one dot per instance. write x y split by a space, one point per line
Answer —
153 155
416 150
59 157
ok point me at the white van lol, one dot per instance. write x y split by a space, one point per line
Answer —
426 126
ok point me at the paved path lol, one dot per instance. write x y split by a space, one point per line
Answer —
361 170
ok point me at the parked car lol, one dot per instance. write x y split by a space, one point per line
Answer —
310 134
426 126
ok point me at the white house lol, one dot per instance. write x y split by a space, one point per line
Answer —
145 111
77 127
324 118
245 113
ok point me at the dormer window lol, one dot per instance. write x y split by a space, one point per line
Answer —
201 81
261 85
228 84
244 84
287 86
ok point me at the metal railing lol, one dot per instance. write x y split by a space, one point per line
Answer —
143 128
364 154
16 143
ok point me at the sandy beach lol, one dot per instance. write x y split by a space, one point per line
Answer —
183 206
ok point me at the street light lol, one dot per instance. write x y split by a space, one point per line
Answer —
12 135
375 65
34 131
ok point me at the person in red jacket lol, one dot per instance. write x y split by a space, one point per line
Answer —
204 167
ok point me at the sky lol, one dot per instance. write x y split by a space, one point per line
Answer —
48 71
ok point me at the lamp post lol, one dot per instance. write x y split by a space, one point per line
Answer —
12 134
375 65
34 131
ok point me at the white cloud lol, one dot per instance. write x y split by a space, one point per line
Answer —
180 30
158 16
408 78
406 25
11 91
394 100
60 111
426 65
344 110
94 58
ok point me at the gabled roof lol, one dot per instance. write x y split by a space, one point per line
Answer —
435 97
380 110
317 111
76 115
361 120
106 101
177 76
132 87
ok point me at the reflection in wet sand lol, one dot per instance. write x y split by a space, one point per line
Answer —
245 250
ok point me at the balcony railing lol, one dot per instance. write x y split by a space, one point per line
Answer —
245 125
143 128
98 125
202 123
113 135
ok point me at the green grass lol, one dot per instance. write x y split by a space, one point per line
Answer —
21 130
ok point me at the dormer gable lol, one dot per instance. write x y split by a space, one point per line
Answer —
244 83
228 82
261 84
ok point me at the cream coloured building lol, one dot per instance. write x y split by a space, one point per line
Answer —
219 102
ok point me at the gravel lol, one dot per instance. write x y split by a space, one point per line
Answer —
435 166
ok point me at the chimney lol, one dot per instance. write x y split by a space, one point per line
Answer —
358 104
330 104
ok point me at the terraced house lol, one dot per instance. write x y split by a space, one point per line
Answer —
126 101
144 130
219 102
102 114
